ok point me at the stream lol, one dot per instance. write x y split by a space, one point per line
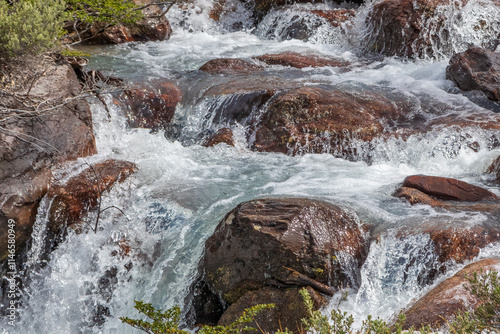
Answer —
182 190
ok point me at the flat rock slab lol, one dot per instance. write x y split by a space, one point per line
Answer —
448 188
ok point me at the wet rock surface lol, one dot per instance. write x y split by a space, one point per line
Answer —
476 69
297 60
281 243
229 65
447 298
448 188
60 130
224 135
151 108
318 120
72 199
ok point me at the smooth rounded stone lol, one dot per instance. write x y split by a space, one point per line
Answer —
448 188
476 69
255 243
450 296
229 65
288 313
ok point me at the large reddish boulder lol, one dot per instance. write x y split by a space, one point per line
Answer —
151 108
318 120
72 199
255 243
229 65
476 69
449 297
288 312
447 188
279 243
32 142
298 60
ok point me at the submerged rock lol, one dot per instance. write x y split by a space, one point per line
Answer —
476 69
451 296
297 60
281 243
448 189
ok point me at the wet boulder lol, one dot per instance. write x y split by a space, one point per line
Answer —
325 120
229 65
73 197
476 69
451 296
288 313
151 108
445 242
224 135
261 242
448 188
33 141
298 60
420 28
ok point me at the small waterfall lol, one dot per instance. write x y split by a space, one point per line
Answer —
300 22
38 251
445 30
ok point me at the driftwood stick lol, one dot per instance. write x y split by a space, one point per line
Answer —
294 277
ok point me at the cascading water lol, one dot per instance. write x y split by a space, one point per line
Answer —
181 190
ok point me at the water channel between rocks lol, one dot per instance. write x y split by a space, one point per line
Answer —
181 190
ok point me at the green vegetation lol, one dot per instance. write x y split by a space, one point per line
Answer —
486 318
168 321
30 26
110 12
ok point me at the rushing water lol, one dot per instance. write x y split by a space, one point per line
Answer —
182 190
